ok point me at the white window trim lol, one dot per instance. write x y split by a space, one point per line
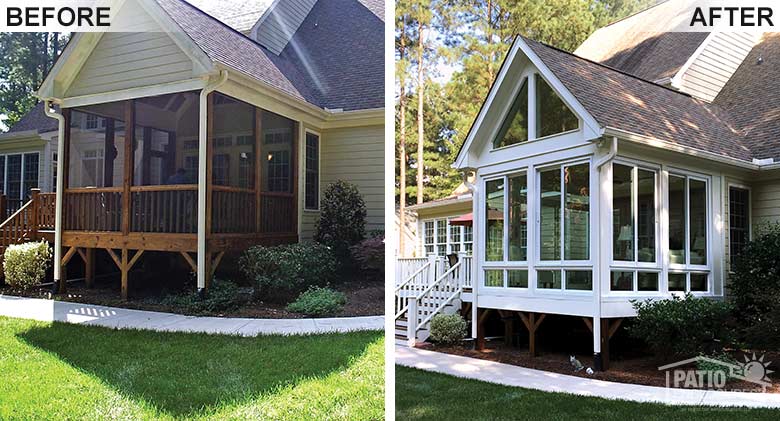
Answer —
319 170
21 174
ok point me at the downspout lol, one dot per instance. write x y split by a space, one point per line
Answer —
49 110
474 259
597 361
202 167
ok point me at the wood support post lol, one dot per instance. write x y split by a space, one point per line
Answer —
509 326
209 271
532 323
125 264
608 329
3 207
258 134
129 153
125 275
109 154
482 314
89 267
35 211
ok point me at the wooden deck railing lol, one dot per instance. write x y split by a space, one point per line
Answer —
276 210
46 211
93 209
170 208
232 210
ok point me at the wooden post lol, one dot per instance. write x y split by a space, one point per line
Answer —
258 133
209 270
128 170
61 286
109 154
209 185
482 314
65 159
532 324
89 267
146 167
125 275
605 344
3 207
34 212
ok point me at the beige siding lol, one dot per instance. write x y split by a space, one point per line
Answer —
766 202
711 69
276 28
355 155
123 60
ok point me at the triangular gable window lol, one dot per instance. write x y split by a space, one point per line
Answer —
552 115
514 129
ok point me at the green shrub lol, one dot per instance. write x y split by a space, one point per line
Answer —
448 328
222 296
342 222
754 286
682 327
318 302
288 269
713 367
25 264
370 256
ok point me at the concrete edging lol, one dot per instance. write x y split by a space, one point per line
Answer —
121 318
510 375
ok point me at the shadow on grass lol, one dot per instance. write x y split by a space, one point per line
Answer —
182 374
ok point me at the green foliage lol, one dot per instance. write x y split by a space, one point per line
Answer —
682 327
713 367
342 222
222 296
370 255
448 328
27 57
288 269
754 286
25 264
318 302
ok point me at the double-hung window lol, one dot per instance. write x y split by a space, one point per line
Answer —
506 252
635 263
688 234
312 180
441 238
564 228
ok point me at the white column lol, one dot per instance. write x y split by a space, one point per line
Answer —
477 250
202 180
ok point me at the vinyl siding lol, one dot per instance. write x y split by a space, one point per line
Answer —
123 60
276 28
766 202
711 69
355 155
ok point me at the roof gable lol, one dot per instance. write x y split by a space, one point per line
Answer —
280 22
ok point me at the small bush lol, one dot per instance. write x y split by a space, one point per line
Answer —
25 264
754 286
712 367
318 302
288 269
448 328
342 222
222 296
682 327
370 255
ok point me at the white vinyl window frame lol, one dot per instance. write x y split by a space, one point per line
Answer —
319 170
22 170
563 265
448 241
635 266
727 219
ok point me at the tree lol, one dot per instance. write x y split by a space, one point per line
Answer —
401 67
27 58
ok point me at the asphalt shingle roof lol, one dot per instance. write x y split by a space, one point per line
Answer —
752 98
35 119
626 102
240 15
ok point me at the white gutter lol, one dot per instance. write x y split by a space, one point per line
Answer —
202 167
466 181
49 110
611 155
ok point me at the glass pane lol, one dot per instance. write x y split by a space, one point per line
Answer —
550 214
428 232
579 280
517 278
646 215
518 218
494 234
552 115
677 220
739 219
234 120
698 206
14 178
647 281
30 173
454 239
2 175
441 237
494 278
548 279
622 213
621 281
312 171
577 217
514 129
676 282
699 282
277 153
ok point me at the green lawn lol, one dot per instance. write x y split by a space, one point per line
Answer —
62 371
430 396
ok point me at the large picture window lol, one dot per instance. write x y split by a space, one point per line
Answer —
494 220
571 239
688 236
552 115
634 215
514 129
739 219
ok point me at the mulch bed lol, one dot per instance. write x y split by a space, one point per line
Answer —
641 370
364 298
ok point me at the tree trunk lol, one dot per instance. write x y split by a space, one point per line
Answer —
402 148
420 134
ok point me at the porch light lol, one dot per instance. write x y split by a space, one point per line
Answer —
270 156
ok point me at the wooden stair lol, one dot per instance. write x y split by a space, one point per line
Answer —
33 221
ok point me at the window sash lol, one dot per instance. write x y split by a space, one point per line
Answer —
312 177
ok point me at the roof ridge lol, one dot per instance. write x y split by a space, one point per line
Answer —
607 67
634 14
234 30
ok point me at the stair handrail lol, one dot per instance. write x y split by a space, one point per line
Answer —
417 272
10 218
444 303
436 282
405 300
412 326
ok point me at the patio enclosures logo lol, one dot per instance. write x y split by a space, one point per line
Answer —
718 374
73 16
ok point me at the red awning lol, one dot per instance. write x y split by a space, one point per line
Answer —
467 220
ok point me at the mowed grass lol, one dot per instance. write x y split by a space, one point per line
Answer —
422 395
62 371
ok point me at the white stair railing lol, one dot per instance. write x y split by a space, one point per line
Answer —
433 299
416 282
